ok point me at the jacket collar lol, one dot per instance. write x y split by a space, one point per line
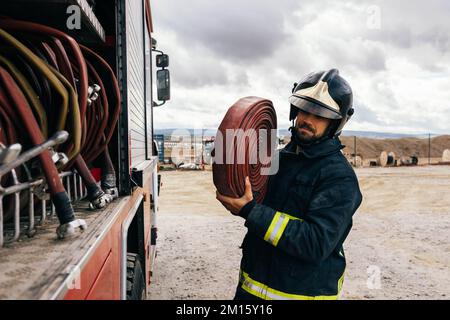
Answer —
322 149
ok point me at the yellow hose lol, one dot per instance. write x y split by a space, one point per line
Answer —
29 93
56 81
74 125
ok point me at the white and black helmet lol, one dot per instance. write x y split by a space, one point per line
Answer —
325 94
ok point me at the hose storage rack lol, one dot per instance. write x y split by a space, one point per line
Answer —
60 101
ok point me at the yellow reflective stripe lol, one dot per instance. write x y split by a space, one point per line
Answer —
341 282
262 291
280 231
272 226
277 227
291 217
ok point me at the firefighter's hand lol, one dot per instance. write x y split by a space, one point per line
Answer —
234 205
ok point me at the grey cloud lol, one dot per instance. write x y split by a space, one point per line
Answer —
398 35
356 53
405 27
236 48
242 31
406 23
194 67
375 60
364 114
241 78
437 37
197 77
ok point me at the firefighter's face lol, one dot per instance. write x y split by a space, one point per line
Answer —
310 127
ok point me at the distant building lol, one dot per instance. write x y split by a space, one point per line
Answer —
159 138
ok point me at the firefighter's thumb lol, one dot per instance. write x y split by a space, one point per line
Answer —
248 188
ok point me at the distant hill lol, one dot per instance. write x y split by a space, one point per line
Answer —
371 148
372 134
285 132
370 144
385 135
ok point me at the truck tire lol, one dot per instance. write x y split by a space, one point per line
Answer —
135 278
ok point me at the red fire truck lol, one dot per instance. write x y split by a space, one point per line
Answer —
79 181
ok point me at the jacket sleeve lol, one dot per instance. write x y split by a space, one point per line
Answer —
330 213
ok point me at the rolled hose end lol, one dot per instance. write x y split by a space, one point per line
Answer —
64 211
109 185
229 171
97 197
63 207
109 181
93 191
69 229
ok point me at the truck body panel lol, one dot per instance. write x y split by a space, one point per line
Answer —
93 264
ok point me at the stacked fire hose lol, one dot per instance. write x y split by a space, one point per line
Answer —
49 83
237 145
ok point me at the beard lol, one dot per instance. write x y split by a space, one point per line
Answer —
306 134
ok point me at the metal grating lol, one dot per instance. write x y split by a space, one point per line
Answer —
11 231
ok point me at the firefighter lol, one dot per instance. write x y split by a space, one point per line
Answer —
294 245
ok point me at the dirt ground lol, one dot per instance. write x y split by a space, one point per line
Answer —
399 247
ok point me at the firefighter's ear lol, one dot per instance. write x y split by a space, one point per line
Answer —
351 112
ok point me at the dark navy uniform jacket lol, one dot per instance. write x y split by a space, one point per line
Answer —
293 247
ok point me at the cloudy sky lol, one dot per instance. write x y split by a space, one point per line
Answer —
395 55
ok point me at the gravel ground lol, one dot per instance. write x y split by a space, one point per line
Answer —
399 247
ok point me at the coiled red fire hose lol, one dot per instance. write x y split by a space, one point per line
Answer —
53 72
114 105
236 152
38 29
80 64
12 92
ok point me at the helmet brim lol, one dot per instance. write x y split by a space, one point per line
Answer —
314 108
